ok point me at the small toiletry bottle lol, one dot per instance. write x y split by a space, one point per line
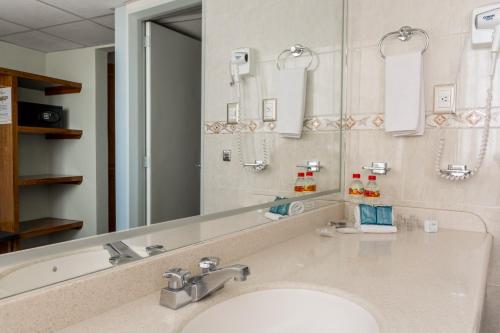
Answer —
356 189
299 183
372 192
310 183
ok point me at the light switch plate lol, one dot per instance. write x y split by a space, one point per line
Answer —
444 98
232 113
269 106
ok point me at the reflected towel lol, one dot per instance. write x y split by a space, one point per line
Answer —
291 102
378 229
272 216
404 95
296 208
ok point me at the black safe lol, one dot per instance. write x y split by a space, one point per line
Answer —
40 115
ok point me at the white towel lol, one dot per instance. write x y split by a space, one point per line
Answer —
378 229
296 208
404 94
291 102
272 216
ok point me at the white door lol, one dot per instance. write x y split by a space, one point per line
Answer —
173 124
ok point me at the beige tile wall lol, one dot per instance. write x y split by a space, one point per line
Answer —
413 180
269 26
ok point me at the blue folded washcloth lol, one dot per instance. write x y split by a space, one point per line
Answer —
384 215
375 215
280 209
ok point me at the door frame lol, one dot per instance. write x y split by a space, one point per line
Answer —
149 110
131 102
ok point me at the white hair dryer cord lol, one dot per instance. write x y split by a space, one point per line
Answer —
487 119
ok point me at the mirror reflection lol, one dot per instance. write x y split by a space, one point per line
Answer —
210 109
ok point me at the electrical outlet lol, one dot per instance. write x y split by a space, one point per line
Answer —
444 98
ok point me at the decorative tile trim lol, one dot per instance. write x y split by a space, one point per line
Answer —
372 121
461 119
316 124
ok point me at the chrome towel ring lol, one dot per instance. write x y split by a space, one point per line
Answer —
404 34
296 50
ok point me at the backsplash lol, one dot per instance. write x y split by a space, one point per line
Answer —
450 58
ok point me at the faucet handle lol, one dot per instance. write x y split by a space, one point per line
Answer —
177 278
208 264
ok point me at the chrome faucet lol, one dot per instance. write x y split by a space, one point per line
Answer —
120 253
183 288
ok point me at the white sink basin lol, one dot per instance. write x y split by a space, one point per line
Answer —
284 311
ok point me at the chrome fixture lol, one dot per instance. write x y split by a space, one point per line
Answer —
183 288
258 165
455 170
296 51
153 250
120 253
404 34
378 168
314 166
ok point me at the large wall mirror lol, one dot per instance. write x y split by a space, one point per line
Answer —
197 111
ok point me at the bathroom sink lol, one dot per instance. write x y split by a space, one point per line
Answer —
284 311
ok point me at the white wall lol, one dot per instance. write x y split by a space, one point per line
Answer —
80 157
412 181
21 59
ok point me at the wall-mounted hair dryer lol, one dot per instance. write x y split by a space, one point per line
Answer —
241 64
486 27
485 33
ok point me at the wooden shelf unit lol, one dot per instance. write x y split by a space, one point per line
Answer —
48 180
10 180
46 226
51 133
50 85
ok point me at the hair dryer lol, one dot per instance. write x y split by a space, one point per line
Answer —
490 20
485 33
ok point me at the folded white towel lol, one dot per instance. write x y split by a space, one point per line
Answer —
404 94
292 85
378 229
272 216
296 208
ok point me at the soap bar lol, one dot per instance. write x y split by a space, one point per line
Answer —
430 226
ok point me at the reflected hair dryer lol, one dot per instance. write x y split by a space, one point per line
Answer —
487 18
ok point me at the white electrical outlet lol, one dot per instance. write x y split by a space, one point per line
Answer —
444 98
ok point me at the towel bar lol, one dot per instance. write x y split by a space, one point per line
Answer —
404 34
296 50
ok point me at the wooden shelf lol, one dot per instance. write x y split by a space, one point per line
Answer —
48 179
51 85
46 226
51 133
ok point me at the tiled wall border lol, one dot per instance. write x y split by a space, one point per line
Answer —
461 119
316 124
473 118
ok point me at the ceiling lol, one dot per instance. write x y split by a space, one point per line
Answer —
56 25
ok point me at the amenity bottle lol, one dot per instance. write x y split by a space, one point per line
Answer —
356 189
310 183
299 183
372 191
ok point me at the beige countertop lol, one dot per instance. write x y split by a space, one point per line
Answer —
411 282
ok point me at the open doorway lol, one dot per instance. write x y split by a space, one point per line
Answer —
173 115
